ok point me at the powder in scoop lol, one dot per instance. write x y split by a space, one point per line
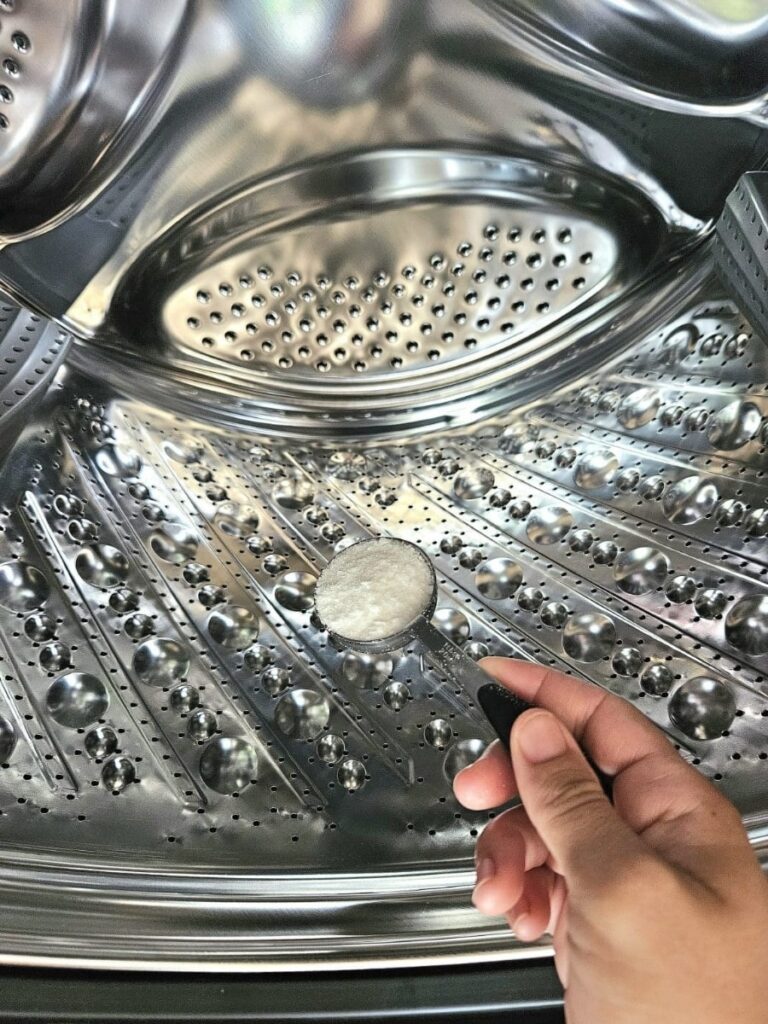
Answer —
374 589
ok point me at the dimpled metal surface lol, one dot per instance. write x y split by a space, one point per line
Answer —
438 272
208 727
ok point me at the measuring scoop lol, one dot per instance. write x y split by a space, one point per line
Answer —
500 706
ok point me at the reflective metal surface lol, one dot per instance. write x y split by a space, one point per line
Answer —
342 269
220 98
740 246
78 83
175 713
31 350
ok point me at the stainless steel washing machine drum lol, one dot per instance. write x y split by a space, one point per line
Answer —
326 271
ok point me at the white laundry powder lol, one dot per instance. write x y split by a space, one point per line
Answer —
374 589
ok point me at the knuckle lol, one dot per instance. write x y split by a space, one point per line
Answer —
570 796
498 832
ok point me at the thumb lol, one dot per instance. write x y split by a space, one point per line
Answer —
561 794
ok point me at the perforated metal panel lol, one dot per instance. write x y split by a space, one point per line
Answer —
31 349
434 270
173 712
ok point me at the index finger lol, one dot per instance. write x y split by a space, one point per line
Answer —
613 732
653 786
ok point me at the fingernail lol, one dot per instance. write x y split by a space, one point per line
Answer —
540 737
519 923
485 869
523 910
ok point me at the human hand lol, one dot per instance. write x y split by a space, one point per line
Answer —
657 905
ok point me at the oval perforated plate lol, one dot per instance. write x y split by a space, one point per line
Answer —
355 282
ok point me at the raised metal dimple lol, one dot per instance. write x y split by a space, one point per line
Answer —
302 714
638 408
7 740
258 545
201 724
498 579
438 733
233 626
184 449
702 708
330 748
228 765
76 699
68 505
294 493
544 449
681 589
746 624
100 742
696 419
118 773
555 614
627 661
210 595
296 590
656 679
476 649
680 343
184 698
756 522
605 553
461 755
453 624
256 658
671 415
589 637
138 625
640 570
580 540
730 512
22 587
471 557
102 565
275 563
734 425
710 603
530 599
236 520
689 500
82 529
174 542
275 679
628 479
55 656
595 468
396 695
40 627
498 497
316 515
118 461
161 661
549 525
652 487
367 670
351 774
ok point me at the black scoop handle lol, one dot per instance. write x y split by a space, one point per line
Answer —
501 706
